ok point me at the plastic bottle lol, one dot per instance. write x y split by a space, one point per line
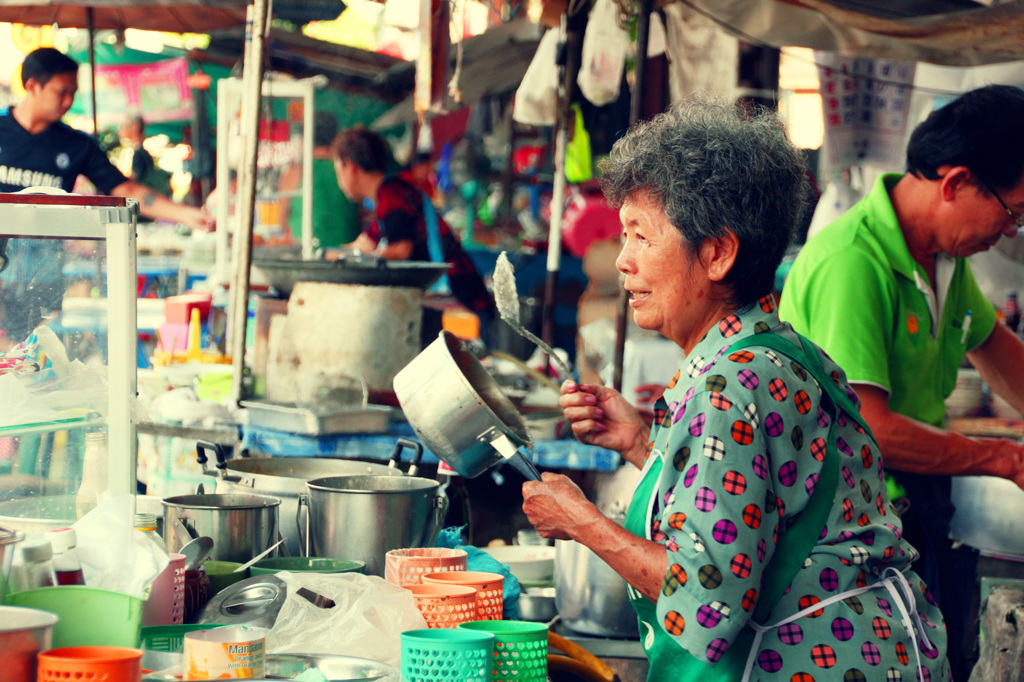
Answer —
67 567
37 570
147 524
94 472
1011 310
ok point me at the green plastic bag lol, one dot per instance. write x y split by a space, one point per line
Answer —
578 159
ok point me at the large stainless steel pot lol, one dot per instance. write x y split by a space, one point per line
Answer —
23 634
241 526
590 597
459 411
364 517
285 478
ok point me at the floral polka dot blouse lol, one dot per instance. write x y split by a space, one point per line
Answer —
742 437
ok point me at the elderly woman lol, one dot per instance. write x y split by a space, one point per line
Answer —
759 542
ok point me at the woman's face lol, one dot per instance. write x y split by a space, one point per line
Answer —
667 284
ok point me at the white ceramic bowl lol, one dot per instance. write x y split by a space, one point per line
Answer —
530 563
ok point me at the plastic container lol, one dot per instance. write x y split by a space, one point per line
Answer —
520 649
90 664
489 590
447 655
303 564
88 616
408 566
94 472
166 603
445 606
222 574
36 570
67 567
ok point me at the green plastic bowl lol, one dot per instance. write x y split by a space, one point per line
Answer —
88 616
308 564
221 574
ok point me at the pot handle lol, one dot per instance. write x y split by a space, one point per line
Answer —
222 460
396 455
303 528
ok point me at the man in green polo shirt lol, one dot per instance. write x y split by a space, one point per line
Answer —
887 291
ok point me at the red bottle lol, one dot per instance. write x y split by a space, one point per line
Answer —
66 564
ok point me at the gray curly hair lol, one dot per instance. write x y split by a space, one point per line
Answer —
711 166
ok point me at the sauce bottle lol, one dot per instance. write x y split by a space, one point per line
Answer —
67 567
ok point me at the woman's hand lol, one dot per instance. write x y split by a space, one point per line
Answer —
557 508
601 416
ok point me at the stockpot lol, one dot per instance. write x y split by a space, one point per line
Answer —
24 633
460 412
285 478
590 597
364 517
241 526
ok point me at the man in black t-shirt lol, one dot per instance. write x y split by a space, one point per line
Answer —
37 149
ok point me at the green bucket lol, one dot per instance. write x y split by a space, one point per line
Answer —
446 655
520 648
88 616
306 564
222 574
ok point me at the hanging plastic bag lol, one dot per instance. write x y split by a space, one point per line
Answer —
578 158
537 97
604 54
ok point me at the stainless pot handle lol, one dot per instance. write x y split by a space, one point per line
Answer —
396 455
299 526
222 460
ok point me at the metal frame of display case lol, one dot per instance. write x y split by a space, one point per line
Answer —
112 220
230 90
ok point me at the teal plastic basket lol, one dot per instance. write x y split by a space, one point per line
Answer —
520 649
447 655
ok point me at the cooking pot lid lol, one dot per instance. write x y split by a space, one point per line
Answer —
254 601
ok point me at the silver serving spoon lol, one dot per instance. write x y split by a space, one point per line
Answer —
507 299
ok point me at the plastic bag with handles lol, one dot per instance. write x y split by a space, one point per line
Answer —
366 620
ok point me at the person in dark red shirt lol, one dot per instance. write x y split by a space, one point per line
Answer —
406 225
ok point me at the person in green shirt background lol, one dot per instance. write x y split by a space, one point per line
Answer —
336 220
887 292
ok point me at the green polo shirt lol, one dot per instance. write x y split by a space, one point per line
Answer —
856 291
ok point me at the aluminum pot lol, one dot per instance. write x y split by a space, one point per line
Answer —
241 526
285 478
459 411
364 517
590 597
24 633
987 515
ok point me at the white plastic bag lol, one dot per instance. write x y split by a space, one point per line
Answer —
604 55
368 616
537 97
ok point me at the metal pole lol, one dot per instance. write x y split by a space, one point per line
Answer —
91 28
252 79
635 112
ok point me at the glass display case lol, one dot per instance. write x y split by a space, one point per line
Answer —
68 353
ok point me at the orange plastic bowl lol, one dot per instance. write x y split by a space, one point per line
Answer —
91 664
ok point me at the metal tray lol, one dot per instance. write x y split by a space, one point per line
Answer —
297 419
369 270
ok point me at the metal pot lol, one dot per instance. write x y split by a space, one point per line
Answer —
241 526
459 411
8 539
591 598
364 517
23 634
285 478
987 515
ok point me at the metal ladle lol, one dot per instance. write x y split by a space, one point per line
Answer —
507 299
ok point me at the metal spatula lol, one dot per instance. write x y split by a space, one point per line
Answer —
507 299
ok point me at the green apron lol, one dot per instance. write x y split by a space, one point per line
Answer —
670 662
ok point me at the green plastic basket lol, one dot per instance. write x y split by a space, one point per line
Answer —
88 616
446 655
520 648
169 638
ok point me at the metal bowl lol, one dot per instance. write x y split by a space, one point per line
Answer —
372 271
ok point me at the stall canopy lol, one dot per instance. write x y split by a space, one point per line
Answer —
948 32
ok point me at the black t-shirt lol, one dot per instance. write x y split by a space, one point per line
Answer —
52 158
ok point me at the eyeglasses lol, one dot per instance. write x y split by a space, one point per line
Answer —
1017 218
